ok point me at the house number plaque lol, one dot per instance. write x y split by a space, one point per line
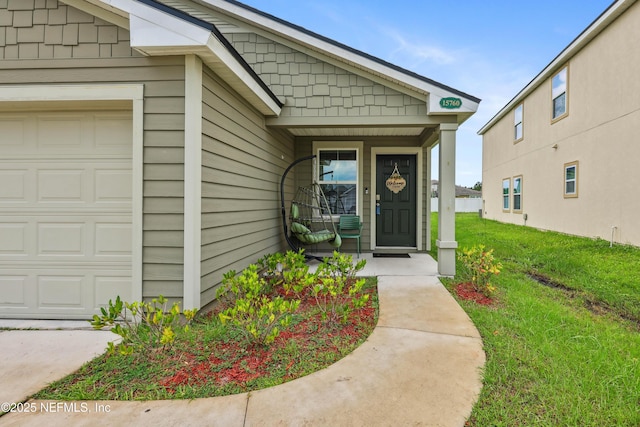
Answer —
451 103
396 182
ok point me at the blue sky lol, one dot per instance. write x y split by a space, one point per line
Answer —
487 48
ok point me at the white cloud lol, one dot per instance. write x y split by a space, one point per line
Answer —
417 54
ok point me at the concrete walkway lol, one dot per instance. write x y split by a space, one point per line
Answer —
420 367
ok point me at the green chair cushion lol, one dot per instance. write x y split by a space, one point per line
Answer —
311 237
298 228
295 211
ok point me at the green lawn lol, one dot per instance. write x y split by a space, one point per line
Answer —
563 340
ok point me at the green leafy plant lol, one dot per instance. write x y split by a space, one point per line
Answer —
143 326
481 264
254 314
289 270
336 287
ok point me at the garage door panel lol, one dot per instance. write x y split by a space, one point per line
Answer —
104 184
109 288
14 185
113 239
45 238
112 186
76 292
61 185
110 134
65 212
13 239
13 289
62 131
63 291
68 239
15 132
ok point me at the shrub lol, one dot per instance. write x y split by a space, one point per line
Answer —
336 287
481 265
289 270
253 313
143 326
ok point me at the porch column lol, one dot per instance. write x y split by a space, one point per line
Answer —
428 213
192 182
446 241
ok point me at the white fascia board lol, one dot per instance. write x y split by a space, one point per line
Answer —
305 39
580 42
155 33
152 36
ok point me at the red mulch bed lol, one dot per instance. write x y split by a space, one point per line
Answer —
467 292
247 364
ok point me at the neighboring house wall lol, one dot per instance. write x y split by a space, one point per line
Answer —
79 48
600 133
242 166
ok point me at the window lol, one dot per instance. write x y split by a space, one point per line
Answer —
518 123
506 190
338 178
559 93
571 180
517 194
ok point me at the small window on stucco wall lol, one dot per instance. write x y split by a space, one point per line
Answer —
517 194
559 94
506 194
518 123
571 180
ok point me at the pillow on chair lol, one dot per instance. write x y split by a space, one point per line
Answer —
298 228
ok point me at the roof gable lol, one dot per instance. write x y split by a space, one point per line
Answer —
231 16
176 27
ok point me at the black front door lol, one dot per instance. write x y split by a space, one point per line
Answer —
395 203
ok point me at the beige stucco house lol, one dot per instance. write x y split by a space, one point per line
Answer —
562 154
142 144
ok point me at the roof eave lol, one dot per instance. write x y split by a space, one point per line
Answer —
157 30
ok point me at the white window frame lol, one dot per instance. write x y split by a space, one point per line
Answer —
555 95
519 194
573 194
506 196
356 146
518 123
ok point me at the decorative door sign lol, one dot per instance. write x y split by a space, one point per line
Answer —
395 182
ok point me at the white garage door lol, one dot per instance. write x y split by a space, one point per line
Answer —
65 212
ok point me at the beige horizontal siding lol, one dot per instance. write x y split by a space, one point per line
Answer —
227 217
242 166
159 172
153 138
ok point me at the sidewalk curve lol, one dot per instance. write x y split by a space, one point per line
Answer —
421 367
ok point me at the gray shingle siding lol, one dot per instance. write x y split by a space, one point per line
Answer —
314 88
